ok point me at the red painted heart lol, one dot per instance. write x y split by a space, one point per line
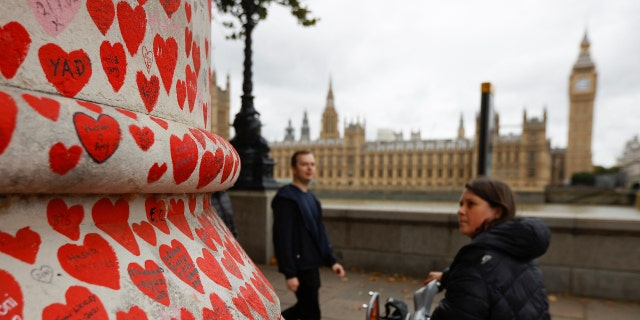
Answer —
166 54
206 45
212 269
133 25
100 138
144 137
231 266
65 220
220 309
135 313
128 113
210 167
114 63
177 259
197 133
67 72
188 38
242 306
157 213
90 106
150 281
192 204
229 165
102 12
80 304
195 56
181 93
9 111
94 261
61 159
149 90
233 251
12 299
184 156
145 231
14 45
210 229
205 115
160 122
192 87
187 10
177 217
46 107
24 246
265 289
252 298
156 172
170 6
113 219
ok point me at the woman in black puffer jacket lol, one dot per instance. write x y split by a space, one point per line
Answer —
496 276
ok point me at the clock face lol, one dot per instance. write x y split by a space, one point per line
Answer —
582 84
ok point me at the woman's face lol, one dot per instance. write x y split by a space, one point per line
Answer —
473 212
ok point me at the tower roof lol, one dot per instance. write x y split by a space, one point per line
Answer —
584 58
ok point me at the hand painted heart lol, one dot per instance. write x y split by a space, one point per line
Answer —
166 54
135 313
242 306
145 231
144 137
90 106
188 38
212 269
210 228
170 6
54 18
252 298
102 12
210 167
100 138
177 259
220 310
187 315
181 93
206 45
192 87
128 113
114 63
229 165
9 111
11 294
133 25
156 211
46 107
192 204
43 274
80 304
14 45
233 251
61 159
150 280
147 55
94 261
187 10
65 220
195 56
24 246
156 172
160 122
231 266
184 157
205 116
197 133
177 217
264 289
149 90
67 72
113 219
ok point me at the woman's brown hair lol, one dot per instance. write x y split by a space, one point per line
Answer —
498 194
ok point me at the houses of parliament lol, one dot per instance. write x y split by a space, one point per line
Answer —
526 161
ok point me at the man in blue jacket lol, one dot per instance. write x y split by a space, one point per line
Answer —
300 239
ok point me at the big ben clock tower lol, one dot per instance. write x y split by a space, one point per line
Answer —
582 93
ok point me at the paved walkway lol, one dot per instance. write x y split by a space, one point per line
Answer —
342 299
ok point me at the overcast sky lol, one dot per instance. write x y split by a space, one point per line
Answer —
418 65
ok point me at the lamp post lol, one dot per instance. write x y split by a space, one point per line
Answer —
257 168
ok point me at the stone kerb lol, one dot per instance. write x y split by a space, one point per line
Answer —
107 165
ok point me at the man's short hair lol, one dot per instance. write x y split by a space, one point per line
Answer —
294 157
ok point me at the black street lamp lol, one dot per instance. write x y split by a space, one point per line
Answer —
257 168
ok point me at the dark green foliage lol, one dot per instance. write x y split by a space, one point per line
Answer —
583 179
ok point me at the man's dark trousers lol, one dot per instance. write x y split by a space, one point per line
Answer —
308 306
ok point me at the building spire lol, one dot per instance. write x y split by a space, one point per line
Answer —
584 58
304 130
330 120
288 136
461 128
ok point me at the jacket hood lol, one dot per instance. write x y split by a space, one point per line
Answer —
524 238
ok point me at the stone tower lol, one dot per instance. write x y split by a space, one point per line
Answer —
329 118
305 135
582 93
220 107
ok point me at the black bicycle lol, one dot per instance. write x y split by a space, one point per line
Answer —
397 309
